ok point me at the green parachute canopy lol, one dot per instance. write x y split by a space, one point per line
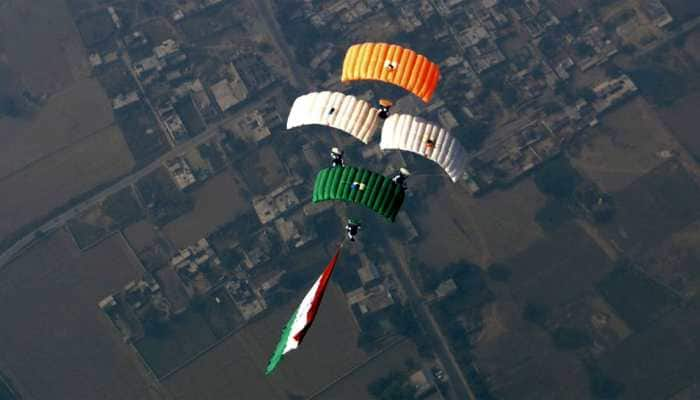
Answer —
359 186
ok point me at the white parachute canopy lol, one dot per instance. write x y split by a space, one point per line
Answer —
408 133
337 110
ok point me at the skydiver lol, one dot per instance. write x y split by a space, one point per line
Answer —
331 111
352 228
384 106
429 146
400 177
336 157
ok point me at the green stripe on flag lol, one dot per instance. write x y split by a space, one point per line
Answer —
279 351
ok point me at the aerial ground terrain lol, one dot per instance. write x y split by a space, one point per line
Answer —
157 228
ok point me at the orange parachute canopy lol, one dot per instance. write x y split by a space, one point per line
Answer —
393 64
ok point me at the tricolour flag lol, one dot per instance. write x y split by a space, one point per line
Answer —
303 317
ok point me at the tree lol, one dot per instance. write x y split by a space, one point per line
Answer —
568 338
509 96
499 272
602 386
587 93
584 49
536 313
557 178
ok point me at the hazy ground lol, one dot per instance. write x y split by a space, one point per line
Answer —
56 341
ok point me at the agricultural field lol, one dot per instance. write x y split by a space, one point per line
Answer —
653 207
354 385
660 361
221 199
188 334
637 299
65 119
235 368
62 176
72 351
32 33
674 261
626 145
454 226
557 269
518 359
682 121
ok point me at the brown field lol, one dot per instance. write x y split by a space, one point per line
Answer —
558 269
662 360
691 47
55 341
624 147
354 386
221 199
457 226
519 360
35 191
682 120
653 207
140 235
674 261
263 170
41 43
77 112
235 368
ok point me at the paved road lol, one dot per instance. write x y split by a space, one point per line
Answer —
125 182
459 386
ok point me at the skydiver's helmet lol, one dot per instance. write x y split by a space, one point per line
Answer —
400 177
336 152
384 106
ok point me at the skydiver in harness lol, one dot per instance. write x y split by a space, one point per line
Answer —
429 147
400 177
384 106
336 157
352 228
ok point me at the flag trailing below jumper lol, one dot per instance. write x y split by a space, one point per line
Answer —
303 317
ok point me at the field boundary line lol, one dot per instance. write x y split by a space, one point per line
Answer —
60 149
357 367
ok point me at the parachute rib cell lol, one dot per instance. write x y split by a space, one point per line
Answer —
336 110
409 133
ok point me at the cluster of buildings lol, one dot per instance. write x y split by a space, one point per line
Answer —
278 202
545 134
180 172
194 273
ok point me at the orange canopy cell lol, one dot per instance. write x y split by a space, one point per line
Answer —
392 64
